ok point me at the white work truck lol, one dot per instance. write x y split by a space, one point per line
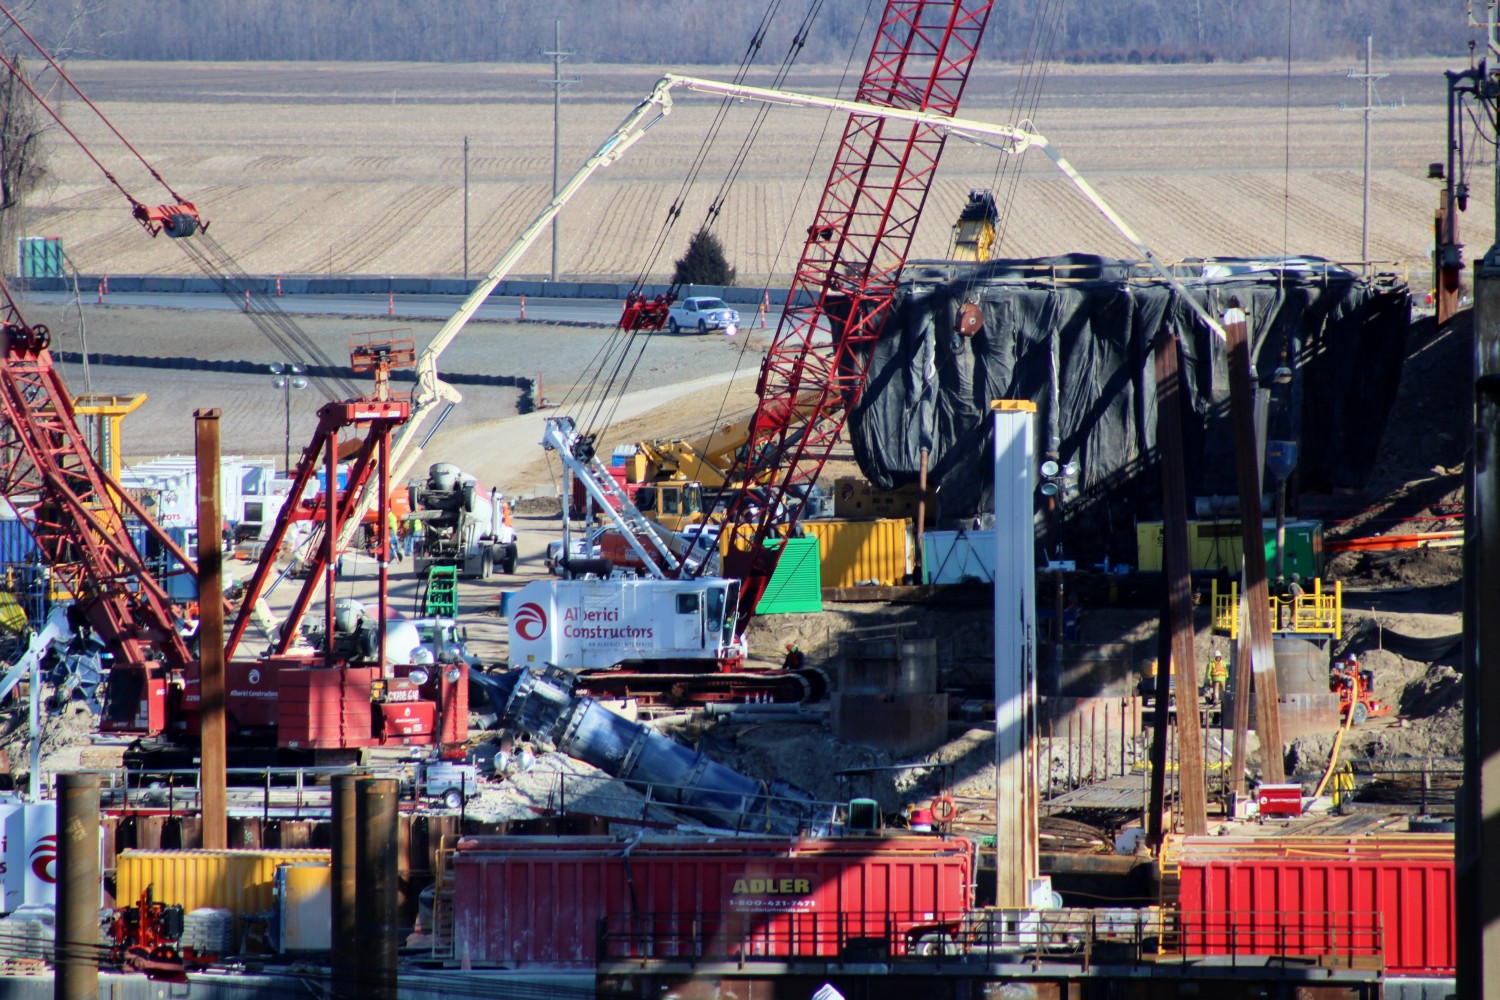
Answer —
583 625
702 313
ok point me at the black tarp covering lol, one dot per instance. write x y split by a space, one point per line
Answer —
1074 334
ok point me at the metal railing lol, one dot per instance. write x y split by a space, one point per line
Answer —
1346 938
1082 937
1318 612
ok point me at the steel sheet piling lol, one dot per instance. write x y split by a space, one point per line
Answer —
77 947
376 897
213 779
346 945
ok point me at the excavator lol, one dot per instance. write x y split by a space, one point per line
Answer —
669 476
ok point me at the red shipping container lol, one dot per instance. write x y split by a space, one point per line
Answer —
1403 910
541 900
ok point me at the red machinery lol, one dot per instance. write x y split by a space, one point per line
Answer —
143 938
77 514
344 695
342 699
1355 687
846 279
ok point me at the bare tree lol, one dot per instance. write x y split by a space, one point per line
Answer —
23 159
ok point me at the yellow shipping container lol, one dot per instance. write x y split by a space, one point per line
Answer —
241 881
855 553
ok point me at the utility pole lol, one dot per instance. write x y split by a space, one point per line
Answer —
466 209
558 55
1369 109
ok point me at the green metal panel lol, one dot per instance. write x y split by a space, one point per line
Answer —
1304 548
442 592
796 587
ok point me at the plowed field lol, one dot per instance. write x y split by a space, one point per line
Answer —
358 168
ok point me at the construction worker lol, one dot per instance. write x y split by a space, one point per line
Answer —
393 535
1218 676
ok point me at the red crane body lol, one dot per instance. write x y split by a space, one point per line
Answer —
846 280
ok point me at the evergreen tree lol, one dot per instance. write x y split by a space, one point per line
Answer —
704 263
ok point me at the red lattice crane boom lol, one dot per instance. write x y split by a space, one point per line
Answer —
74 511
846 279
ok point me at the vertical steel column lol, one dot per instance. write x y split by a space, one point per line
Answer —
1260 661
383 507
330 541
213 780
375 804
76 946
1179 602
346 945
1478 865
1017 838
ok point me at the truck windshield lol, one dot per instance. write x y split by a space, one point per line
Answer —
692 500
711 304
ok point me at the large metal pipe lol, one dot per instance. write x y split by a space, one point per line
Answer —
76 945
375 805
346 945
543 701
213 779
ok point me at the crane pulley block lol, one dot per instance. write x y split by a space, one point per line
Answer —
177 221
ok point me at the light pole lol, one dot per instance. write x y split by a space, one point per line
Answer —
286 378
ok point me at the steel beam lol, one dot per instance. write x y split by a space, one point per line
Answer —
1259 659
76 944
213 778
1179 603
1017 837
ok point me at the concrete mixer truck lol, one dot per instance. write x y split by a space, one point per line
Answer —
460 525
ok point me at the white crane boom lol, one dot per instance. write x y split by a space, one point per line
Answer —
431 390
968 129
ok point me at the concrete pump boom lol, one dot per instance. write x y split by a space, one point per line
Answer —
1018 141
431 390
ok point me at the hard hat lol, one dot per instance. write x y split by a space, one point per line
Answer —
1353 660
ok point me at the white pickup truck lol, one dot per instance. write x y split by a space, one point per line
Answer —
702 313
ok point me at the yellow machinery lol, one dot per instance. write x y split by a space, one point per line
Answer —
974 232
104 415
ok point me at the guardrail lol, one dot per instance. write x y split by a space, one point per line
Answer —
1084 937
1319 612
1346 938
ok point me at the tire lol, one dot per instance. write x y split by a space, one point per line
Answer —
453 798
933 945
509 566
673 328
702 326
1359 713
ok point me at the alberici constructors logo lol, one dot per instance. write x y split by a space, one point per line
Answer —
529 621
44 858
